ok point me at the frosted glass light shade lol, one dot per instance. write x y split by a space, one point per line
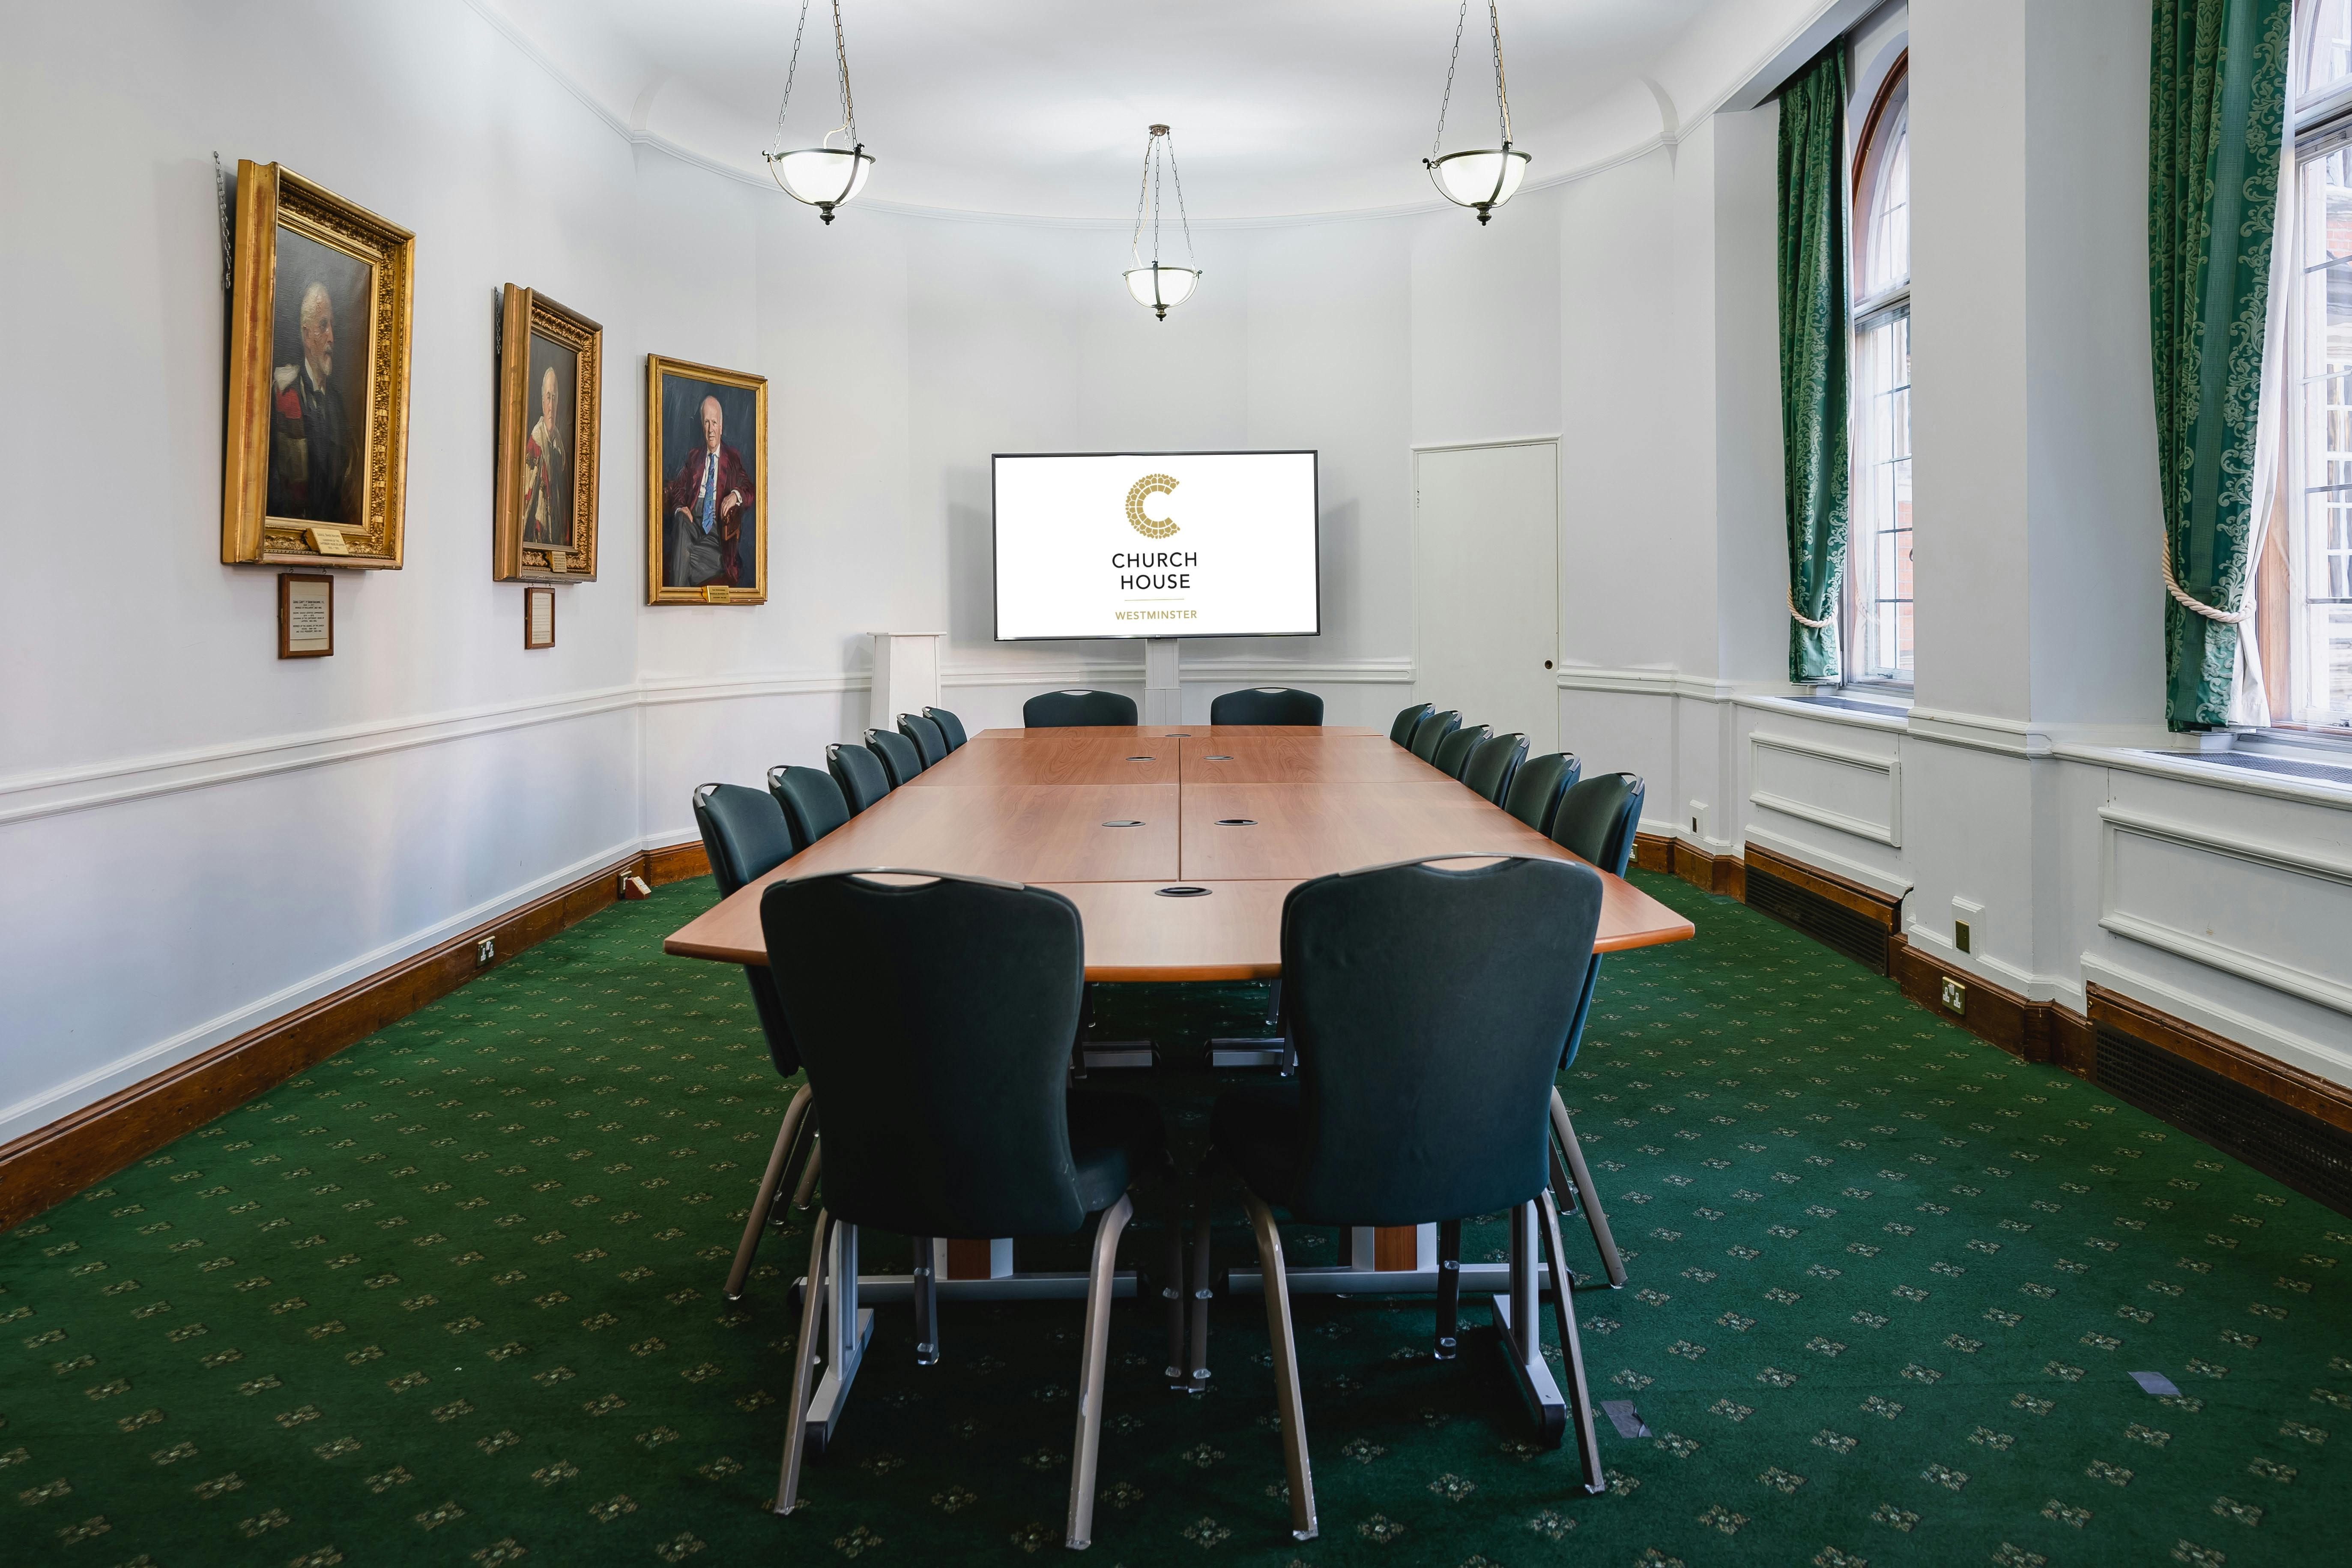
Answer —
1158 287
824 177
1482 179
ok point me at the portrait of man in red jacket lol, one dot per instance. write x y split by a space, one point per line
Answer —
708 503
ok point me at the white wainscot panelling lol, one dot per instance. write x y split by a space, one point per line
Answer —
1831 785
2266 911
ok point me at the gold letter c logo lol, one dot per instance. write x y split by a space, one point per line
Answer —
1150 485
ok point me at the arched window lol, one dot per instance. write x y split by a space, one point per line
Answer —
1878 570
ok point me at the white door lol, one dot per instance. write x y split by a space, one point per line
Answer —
1485 584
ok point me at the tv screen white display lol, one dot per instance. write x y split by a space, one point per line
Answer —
1156 544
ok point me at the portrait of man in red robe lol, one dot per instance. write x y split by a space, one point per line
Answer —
708 503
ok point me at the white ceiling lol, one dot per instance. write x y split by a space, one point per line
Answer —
1039 107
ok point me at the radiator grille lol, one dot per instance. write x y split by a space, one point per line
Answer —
1832 924
2302 1151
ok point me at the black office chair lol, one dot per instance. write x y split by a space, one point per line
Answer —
930 740
1065 709
1597 819
1426 1005
1431 732
936 1017
1453 751
859 774
1266 705
813 805
1494 765
1401 731
949 726
746 835
899 758
1534 794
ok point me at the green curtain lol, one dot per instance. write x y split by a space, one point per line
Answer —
1815 357
2216 102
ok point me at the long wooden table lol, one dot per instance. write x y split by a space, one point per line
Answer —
1178 844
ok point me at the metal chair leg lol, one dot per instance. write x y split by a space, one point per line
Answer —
1590 1195
766 1199
1449 1288
1077 1532
926 1292
809 1172
788 1484
1199 1381
1572 1351
1285 1367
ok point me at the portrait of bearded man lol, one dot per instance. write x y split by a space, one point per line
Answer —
313 466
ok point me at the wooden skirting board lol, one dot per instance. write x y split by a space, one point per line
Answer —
1725 874
53 1162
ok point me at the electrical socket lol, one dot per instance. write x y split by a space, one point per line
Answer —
486 951
1956 995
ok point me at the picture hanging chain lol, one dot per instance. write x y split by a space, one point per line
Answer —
220 200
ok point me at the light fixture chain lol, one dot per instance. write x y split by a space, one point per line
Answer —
1502 93
790 71
1178 176
849 104
1446 102
1157 208
1143 188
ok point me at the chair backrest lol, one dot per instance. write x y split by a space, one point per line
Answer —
1266 705
899 758
928 738
1407 717
1430 1006
1534 793
949 726
1597 820
1494 764
1431 732
813 805
746 836
1453 751
936 1021
1063 710
859 774
743 832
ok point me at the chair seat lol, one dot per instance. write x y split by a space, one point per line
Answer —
1114 1139
1262 1130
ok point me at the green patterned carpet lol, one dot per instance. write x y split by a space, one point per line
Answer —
454 1297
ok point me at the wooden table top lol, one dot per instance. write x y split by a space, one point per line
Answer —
1111 816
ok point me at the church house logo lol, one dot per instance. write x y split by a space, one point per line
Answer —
1147 486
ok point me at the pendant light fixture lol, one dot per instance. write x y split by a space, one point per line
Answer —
1481 178
1154 284
825 176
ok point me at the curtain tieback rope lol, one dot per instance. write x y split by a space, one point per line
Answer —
1798 616
2180 596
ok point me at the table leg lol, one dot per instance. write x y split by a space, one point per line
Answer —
1521 1329
847 1330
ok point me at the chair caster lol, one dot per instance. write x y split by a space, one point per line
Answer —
733 1295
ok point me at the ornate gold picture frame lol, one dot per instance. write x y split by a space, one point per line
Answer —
705 484
551 419
316 467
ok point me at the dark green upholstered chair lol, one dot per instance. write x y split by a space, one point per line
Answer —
1266 705
746 834
1534 794
1453 751
1597 819
1407 717
936 1019
1493 765
949 726
928 739
899 758
812 803
1427 1005
1077 706
1431 732
859 774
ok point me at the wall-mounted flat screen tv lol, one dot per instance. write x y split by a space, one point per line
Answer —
1156 544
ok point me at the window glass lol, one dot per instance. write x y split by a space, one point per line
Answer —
1886 227
2319 444
2325 48
1877 640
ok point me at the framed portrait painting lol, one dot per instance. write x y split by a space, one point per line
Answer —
551 400
705 473
316 458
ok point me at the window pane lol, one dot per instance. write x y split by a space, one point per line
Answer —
2325 43
1887 243
2319 424
1880 548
